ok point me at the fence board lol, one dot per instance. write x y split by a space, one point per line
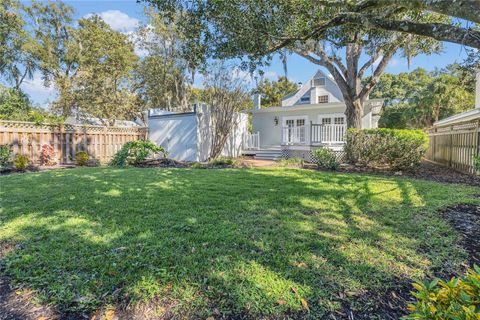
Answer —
455 145
100 142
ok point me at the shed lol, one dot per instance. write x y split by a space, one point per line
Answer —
187 135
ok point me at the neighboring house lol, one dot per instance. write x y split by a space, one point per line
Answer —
310 118
187 136
96 122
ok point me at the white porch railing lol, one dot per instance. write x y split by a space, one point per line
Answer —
328 133
293 134
251 141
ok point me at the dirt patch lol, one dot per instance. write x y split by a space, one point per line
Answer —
164 163
465 218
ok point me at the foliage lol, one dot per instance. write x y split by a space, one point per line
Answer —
297 162
177 231
163 77
272 92
224 161
419 98
20 162
81 158
476 163
325 158
47 154
225 96
5 156
134 152
398 149
458 298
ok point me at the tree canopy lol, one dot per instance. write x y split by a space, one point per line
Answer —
272 92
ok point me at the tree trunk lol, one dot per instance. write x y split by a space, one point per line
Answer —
354 113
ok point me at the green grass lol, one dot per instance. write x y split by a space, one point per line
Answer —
234 242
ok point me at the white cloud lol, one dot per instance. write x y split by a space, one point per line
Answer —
118 20
36 85
397 63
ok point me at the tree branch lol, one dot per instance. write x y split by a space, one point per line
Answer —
370 62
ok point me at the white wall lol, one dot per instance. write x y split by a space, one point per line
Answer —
177 133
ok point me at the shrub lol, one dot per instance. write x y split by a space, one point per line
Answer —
81 158
224 161
396 148
20 162
458 298
5 156
134 152
476 163
46 155
325 158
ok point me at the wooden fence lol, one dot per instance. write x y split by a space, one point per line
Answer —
99 142
455 145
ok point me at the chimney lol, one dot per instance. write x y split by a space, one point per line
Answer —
257 101
477 89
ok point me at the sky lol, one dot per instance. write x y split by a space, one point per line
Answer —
126 15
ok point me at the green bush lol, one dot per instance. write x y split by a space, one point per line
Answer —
5 156
458 298
135 152
476 163
298 162
224 161
20 162
396 148
325 158
81 158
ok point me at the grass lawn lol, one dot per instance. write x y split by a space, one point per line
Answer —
200 243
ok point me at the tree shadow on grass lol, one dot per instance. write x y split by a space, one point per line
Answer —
235 243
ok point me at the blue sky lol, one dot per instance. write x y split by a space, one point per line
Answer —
125 16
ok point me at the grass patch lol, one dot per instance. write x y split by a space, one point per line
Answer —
231 242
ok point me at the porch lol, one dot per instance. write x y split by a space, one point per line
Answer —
302 135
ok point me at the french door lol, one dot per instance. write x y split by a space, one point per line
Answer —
293 130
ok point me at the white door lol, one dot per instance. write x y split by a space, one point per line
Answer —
294 129
333 127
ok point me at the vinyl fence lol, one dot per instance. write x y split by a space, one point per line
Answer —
99 142
455 145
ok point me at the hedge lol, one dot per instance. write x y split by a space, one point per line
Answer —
395 148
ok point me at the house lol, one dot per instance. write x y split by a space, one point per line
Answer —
310 118
187 136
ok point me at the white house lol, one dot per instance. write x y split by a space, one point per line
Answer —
187 136
310 118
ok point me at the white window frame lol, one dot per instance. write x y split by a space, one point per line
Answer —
320 85
332 116
285 118
321 95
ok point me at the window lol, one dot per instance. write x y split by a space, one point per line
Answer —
339 120
326 120
305 99
300 122
323 99
290 122
319 82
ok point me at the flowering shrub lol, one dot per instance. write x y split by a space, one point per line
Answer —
458 298
81 158
20 162
325 158
47 155
398 149
5 156
134 152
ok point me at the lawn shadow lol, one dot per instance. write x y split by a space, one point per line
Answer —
234 243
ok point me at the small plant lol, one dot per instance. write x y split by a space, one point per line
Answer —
47 155
224 161
5 156
476 163
458 298
296 162
325 158
135 152
81 158
20 162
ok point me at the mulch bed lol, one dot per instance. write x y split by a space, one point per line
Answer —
465 218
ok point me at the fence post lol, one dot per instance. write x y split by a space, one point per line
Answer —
450 146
